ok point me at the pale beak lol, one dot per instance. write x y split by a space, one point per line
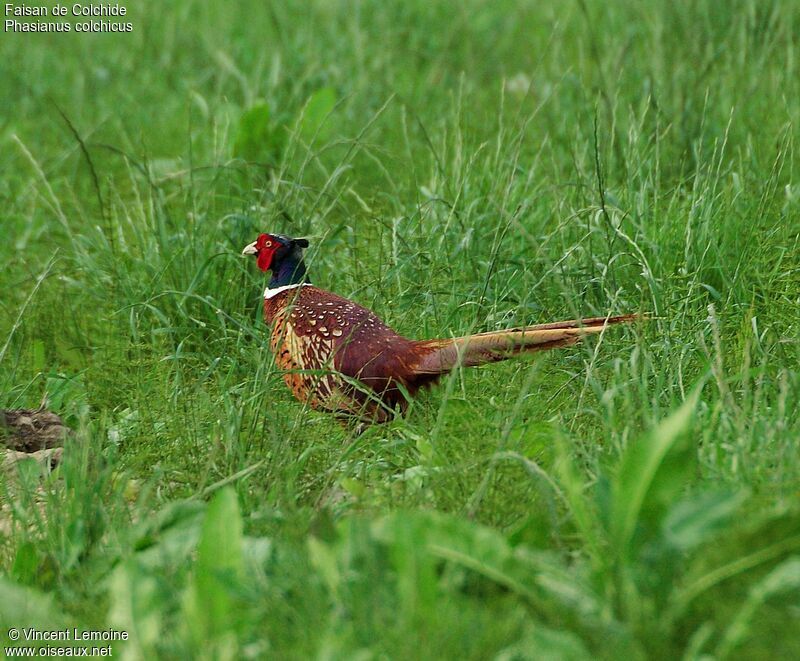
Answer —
250 249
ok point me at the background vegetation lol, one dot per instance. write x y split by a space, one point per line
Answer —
458 167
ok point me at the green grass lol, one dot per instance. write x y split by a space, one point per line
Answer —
457 168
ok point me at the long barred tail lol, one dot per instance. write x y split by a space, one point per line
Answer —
441 356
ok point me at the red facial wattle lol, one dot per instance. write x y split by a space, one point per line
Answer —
266 245
264 259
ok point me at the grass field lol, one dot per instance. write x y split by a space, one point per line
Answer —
457 168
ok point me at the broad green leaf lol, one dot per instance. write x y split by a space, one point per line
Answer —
425 449
639 471
736 552
470 545
323 558
541 643
353 486
693 520
540 577
171 535
783 578
534 531
22 606
582 509
136 607
415 566
314 121
257 551
257 139
219 568
26 563
67 395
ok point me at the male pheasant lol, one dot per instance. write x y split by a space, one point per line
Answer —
339 356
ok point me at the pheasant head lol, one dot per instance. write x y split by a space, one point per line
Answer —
282 255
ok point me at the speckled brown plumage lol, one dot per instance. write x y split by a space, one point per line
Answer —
339 356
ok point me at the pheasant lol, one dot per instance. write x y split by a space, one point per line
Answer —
340 357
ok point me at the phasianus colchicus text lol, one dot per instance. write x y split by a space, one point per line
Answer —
339 356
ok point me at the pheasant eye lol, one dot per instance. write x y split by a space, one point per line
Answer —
268 244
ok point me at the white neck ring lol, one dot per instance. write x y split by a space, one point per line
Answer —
269 293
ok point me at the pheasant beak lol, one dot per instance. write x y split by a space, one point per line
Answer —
250 249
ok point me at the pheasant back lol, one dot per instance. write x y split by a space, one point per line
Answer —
339 356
